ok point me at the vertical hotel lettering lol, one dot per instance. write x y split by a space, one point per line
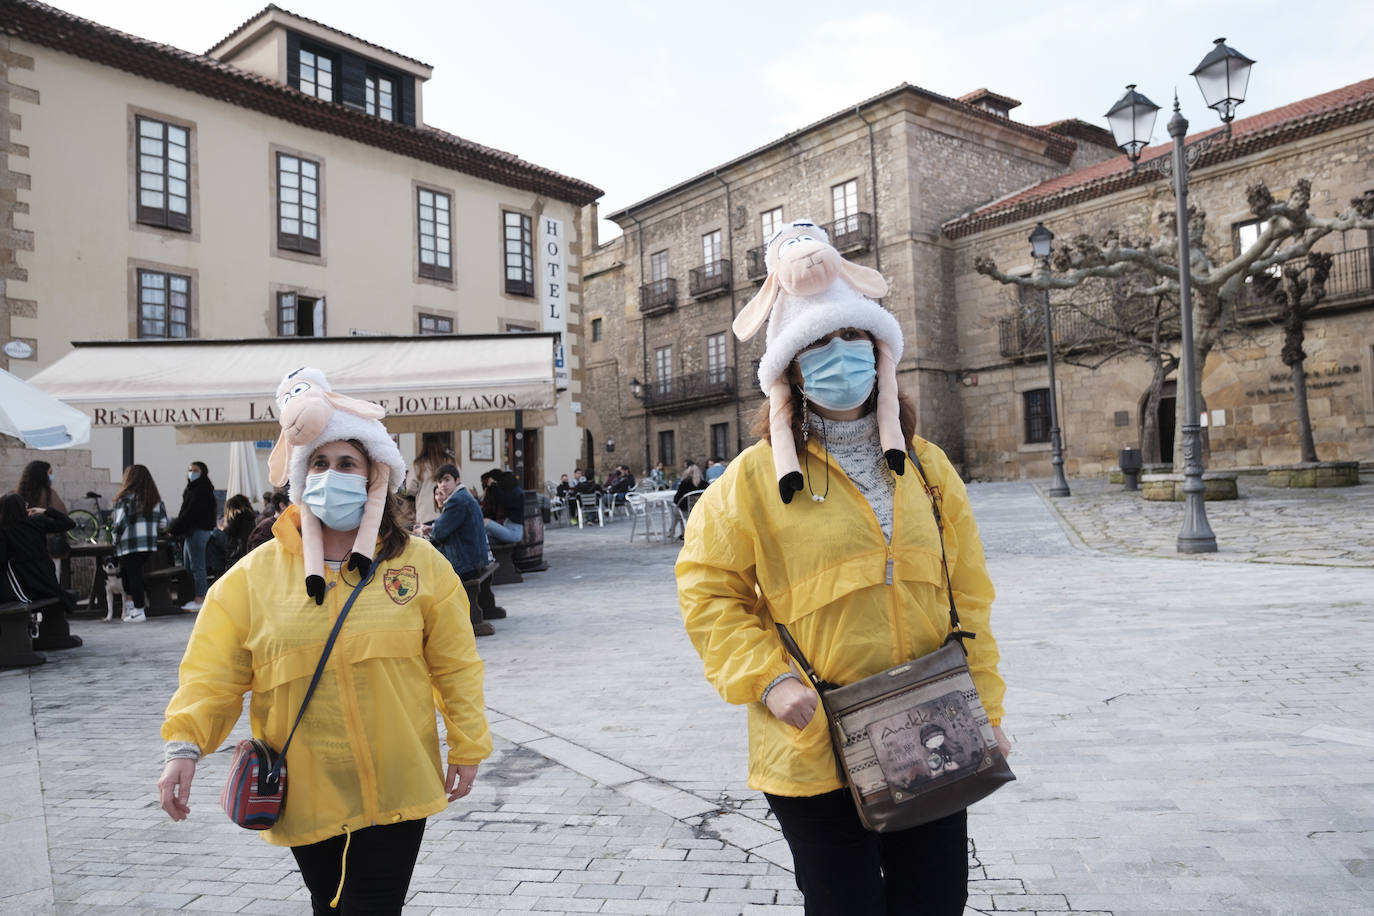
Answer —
554 292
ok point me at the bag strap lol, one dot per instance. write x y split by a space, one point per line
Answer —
956 633
275 772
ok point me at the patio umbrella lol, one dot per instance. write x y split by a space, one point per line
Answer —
38 419
243 471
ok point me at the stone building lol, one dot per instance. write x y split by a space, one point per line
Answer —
918 185
283 184
665 379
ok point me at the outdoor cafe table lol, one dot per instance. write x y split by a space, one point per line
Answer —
660 502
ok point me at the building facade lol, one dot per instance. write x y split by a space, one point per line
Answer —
282 184
918 185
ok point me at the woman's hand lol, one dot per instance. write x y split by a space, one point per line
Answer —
792 702
1003 744
174 788
466 774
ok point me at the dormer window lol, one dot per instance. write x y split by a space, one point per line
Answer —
379 96
316 73
991 102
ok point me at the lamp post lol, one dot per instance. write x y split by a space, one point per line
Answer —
1040 239
637 392
1222 76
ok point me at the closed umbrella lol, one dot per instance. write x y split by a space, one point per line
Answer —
38 419
243 471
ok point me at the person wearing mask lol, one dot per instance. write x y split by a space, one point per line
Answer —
503 508
564 487
835 431
139 517
365 770
36 487
26 570
193 525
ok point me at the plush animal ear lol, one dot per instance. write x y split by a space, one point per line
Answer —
753 315
365 409
279 462
865 279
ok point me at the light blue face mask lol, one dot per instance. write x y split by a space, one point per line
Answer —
839 375
193 475
336 499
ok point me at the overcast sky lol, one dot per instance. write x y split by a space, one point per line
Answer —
635 97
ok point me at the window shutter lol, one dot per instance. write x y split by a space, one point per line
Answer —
405 88
293 59
353 81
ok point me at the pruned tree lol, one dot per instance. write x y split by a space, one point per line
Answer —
1303 289
1150 268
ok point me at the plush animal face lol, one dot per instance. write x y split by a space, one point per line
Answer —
306 405
804 262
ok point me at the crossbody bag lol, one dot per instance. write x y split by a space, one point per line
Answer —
913 743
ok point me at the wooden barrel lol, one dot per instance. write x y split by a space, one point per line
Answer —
529 553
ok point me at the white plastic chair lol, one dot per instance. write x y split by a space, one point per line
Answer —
587 505
639 512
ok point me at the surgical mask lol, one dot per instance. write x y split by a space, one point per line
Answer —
839 375
336 499
193 475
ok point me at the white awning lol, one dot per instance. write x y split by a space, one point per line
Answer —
223 390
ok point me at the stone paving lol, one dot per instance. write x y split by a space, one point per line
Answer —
1191 734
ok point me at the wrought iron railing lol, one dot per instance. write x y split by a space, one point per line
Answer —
1351 280
851 233
693 390
755 263
658 296
710 279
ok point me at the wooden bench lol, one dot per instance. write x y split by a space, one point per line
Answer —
164 588
507 573
16 632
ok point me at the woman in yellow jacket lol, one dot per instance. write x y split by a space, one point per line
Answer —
364 767
851 567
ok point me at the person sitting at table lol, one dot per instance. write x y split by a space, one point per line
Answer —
659 477
139 517
692 482
236 527
276 502
36 486
621 483
460 533
714 468
563 488
503 507
28 572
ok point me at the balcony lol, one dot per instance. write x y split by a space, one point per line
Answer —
755 264
710 279
658 296
853 233
1023 335
1351 282
683 392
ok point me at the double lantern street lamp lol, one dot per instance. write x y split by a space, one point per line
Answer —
1223 77
1040 239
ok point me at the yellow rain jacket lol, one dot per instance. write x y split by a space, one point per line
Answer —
367 751
855 604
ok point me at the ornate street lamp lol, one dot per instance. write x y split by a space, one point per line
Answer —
636 388
1223 76
1040 239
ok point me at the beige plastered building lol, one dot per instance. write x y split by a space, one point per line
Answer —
282 184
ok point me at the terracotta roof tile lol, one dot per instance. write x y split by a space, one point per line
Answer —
36 22
1318 114
271 7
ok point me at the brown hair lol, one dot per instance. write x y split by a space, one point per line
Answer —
393 536
760 428
34 485
139 485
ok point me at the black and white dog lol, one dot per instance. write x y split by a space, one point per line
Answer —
115 596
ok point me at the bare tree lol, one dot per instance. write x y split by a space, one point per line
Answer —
1151 270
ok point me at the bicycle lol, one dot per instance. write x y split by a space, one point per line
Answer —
92 527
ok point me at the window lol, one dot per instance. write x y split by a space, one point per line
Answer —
435 324
1247 234
663 366
164 304
316 74
667 450
378 96
298 204
715 358
710 252
720 440
658 266
299 316
770 221
436 249
164 172
845 198
596 329
1037 406
519 254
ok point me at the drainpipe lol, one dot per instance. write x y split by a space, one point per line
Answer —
730 252
873 183
643 336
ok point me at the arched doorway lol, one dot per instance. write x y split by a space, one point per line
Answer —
1164 420
588 454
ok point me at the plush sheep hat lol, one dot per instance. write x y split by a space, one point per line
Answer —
810 291
312 413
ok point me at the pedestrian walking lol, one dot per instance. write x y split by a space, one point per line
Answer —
852 568
364 766
193 525
139 517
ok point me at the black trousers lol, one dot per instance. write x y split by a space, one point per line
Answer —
380 862
131 574
846 870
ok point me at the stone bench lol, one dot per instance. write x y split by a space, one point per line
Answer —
507 573
1218 485
16 634
1315 474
